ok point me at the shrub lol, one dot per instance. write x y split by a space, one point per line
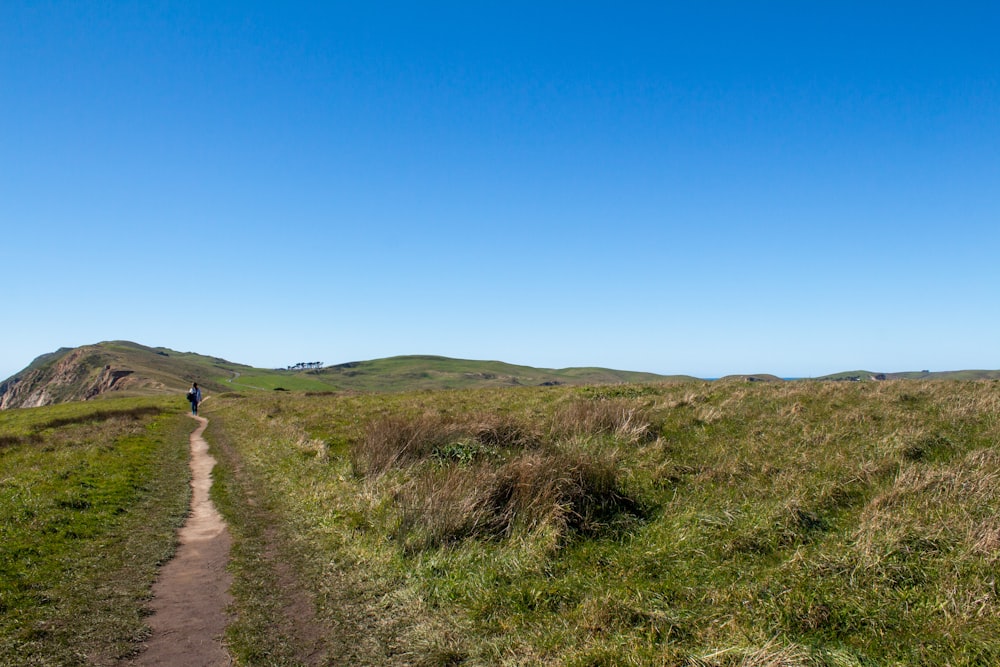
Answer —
620 419
566 492
395 441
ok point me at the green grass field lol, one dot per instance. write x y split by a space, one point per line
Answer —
91 495
701 524
687 524
277 380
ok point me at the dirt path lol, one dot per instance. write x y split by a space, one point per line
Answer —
192 593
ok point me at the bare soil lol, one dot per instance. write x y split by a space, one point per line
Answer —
191 596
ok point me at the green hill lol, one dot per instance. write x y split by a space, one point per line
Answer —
433 372
946 375
864 376
120 368
756 377
123 368
849 376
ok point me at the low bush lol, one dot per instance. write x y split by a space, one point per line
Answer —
394 441
618 418
562 492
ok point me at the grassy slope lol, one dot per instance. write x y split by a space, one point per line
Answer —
160 371
949 375
786 523
430 372
167 371
90 499
176 370
756 377
918 375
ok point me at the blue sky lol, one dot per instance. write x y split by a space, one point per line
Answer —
700 188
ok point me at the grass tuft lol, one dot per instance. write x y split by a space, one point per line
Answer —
565 492
616 418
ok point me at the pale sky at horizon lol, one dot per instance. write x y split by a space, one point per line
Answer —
697 188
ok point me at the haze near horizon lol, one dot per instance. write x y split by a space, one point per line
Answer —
672 188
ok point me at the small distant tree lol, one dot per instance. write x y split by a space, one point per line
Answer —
305 365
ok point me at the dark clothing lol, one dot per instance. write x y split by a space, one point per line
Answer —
194 395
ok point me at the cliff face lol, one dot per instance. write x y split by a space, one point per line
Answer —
110 379
117 367
23 391
78 375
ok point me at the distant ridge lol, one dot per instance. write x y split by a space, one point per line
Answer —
756 377
124 368
868 376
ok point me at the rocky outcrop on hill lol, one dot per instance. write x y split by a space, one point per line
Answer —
34 387
78 375
117 368
110 379
22 392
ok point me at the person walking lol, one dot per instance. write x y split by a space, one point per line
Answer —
194 396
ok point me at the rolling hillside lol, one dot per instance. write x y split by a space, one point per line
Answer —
433 372
123 368
120 368
865 376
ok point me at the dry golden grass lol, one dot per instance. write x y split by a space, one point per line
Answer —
488 478
620 419
396 440
771 654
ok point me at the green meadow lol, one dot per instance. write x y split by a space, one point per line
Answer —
91 496
703 524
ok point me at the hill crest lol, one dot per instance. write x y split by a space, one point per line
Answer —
124 368
119 367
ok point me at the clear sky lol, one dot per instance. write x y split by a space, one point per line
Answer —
678 187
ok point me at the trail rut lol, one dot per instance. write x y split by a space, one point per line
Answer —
191 596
